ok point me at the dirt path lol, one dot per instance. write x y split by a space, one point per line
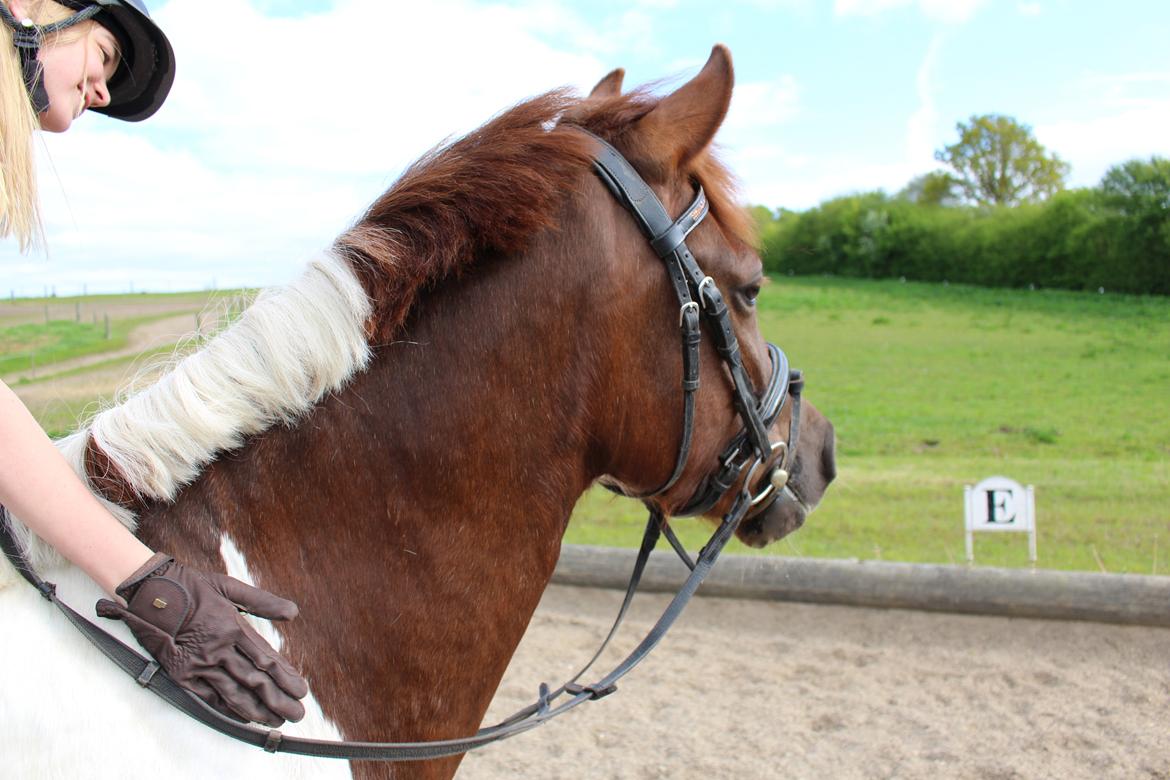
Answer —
747 689
145 337
65 400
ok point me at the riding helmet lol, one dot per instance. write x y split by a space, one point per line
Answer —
147 69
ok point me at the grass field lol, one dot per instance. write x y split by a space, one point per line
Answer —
933 387
64 367
25 348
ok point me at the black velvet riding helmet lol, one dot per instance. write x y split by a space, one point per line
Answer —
147 68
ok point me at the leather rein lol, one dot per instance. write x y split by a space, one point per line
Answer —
750 450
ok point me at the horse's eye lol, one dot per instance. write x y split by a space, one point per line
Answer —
750 293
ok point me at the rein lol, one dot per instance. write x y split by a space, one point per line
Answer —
750 450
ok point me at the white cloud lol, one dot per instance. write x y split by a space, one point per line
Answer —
950 11
1119 117
801 182
373 84
269 148
273 141
761 105
799 6
947 11
1029 9
921 128
778 177
752 136
657 5
866 7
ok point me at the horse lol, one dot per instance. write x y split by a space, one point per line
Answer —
396 440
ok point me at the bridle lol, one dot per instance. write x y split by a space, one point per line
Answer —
750 450
699 299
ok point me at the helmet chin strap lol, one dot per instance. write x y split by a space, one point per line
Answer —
27 37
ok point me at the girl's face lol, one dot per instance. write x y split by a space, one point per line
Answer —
75 73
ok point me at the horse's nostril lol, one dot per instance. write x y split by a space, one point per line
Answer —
828 456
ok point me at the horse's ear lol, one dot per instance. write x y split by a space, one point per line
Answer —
610 86
684 122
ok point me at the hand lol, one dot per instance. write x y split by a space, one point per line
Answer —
190 622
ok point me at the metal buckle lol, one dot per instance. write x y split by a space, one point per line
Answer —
767 492
682 312
703 284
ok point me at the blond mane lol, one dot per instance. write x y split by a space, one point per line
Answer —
290 348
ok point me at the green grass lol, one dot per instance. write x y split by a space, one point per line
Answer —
932 387
25 347
177 299
61 416
33 348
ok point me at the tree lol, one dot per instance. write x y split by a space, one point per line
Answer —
1139 187
1137 225
999 162
762 216
937 188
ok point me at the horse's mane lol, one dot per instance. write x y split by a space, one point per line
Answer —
488 192
492 191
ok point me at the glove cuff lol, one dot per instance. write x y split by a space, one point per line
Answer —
158 563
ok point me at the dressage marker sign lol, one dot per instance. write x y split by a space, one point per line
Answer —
1000 504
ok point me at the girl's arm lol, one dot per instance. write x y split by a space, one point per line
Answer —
200 627
38 486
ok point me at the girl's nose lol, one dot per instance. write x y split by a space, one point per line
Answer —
101 93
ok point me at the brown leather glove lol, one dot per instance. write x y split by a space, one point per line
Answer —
190 622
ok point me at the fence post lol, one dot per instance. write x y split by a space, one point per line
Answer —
77 311
107 326
46 314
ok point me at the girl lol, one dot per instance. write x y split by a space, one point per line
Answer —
58 59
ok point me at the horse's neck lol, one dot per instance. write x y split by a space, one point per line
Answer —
416 515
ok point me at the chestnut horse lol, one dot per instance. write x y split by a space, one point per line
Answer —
396 440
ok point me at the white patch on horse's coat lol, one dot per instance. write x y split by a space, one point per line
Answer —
66 708
237 566
290 348
315 721
68 712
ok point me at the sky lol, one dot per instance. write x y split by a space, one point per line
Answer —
288 117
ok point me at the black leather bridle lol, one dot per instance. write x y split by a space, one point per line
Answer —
750 450
699 298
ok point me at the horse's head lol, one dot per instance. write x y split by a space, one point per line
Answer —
668 141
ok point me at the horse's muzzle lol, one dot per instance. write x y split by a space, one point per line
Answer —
783 516
814 469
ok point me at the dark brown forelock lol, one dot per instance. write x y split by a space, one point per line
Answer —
492 191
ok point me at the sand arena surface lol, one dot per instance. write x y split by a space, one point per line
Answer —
753 689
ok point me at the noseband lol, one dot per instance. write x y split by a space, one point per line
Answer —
699 299
750 450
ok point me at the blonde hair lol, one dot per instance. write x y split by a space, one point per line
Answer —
19 210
